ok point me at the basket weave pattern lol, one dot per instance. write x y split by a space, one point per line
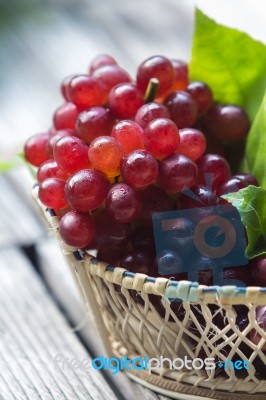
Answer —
136 318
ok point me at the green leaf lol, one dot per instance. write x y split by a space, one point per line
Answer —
6 165
231 62
256 146
251 205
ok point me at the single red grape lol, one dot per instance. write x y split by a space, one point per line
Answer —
50 169
150 111
202 94
71 154
55 137
161 137
139 168
181 75
77 229
109 231
35 149
110 76
110 253
123 203
258 270
192 143
233 184
202 197
154 199
177 173
158 67
254 336
65 84
124 100
140 261
86 91
105 154
216 167
94 122
248 179
65 116
86 190
143 239
129 134
52 194
183 108
100 61
227 122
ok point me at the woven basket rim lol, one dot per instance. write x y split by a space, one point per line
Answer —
184 290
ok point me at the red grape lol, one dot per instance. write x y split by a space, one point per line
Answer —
158 67
139 168
150 111
248 179
258 270
233 184
154 199
71 154
202 197
100 61
124 100
86 91
65 116
35 149
123 203
192 143
183 108
51 193
254 336
65 84
105 154
176 173
110 76
181 75
94 122
227 122
214 165
55 137
129 134
202 94
109 231
143 239
77 229
110 253
86 190
140 261
50 169
161 137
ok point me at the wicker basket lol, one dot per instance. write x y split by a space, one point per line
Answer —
135 318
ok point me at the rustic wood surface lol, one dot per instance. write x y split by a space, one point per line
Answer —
41 315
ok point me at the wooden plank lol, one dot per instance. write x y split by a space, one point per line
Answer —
55 269
19 222
33 332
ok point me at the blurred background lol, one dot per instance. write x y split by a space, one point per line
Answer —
42 41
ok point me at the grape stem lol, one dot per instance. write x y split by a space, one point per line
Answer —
151 90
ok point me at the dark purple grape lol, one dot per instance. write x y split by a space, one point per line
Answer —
227 122
202 94
183 109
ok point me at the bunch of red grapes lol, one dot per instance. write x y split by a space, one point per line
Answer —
121 149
